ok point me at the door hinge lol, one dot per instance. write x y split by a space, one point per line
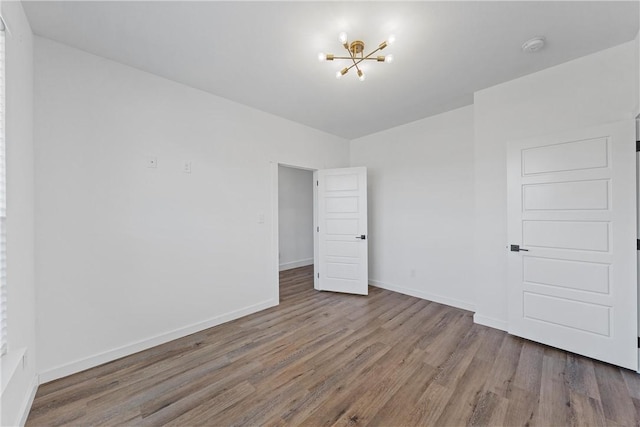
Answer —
317 183
318 230
638 244
638 342
637 146
319 277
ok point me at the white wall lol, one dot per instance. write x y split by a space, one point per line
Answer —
20 378
420 179
637 66
594 89
295 217
130 256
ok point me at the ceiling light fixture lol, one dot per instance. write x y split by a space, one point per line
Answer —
356 55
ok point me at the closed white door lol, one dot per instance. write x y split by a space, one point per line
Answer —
341 230
572 212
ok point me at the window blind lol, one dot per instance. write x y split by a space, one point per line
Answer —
3 204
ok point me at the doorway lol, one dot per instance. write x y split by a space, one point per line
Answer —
335 259
295 217
295 222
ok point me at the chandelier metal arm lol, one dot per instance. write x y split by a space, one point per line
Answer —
359 60
369 55
355 63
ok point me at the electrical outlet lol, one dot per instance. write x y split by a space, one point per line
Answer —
152 162
186 167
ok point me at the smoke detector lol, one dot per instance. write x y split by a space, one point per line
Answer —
533 45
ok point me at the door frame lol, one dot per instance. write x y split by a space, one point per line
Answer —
274 259
638 225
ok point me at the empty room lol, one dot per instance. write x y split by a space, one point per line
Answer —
294 213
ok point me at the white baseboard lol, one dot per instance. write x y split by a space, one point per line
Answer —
490 322
126 350
295 264
464 305
26 406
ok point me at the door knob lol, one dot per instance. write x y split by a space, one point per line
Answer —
362 236
517 248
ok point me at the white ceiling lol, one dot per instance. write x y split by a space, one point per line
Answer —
264 54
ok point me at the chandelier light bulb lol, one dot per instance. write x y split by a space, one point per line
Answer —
342 37
388 58
322 57
361 75
391 40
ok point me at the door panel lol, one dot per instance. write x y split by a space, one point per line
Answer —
341 264
571 235
571 207
567 156
567 313
583 276
580 195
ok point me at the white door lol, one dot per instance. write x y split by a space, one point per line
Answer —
572 211
341 230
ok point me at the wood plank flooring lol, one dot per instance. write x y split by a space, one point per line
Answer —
322 359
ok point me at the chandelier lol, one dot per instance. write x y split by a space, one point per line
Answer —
356 55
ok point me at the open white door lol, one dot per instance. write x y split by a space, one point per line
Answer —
572 212
341 230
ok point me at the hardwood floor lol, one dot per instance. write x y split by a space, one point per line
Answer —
330 359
